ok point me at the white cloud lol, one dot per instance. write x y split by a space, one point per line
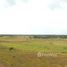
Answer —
54 4
33 17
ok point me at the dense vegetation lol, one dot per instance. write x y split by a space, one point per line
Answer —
37 36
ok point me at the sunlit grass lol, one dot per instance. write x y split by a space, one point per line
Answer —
24 53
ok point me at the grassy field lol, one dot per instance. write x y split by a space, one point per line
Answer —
23 52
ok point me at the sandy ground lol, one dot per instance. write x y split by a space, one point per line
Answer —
2 65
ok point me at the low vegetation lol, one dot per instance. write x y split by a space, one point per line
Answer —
21 51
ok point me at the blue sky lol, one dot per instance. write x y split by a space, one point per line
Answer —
33 17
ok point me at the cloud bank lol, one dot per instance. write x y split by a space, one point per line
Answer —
33 17
54 4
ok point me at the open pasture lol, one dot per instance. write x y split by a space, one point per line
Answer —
22 52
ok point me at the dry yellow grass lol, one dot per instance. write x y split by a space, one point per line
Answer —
22 52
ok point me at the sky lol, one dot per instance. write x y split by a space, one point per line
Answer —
33 17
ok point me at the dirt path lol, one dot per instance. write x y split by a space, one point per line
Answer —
2 65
